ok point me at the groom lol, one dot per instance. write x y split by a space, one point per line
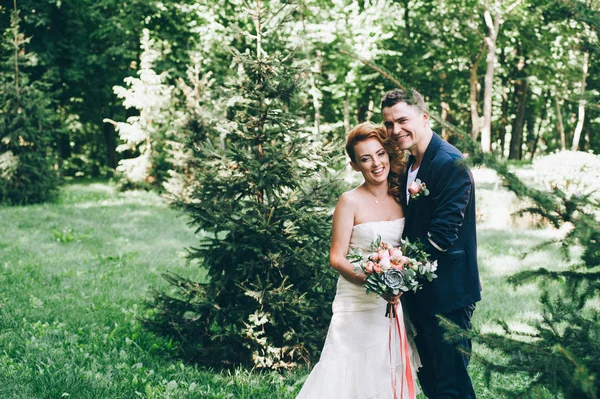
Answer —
441 215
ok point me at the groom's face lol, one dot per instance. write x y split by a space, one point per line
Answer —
406 125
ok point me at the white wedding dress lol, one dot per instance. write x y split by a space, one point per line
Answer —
356 362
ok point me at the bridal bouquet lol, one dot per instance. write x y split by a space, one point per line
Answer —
391 270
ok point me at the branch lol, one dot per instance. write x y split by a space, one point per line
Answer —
512 6
376 68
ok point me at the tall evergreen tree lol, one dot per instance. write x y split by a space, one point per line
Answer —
261 206
27 123
144 135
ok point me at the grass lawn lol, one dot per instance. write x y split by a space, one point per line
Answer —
74 276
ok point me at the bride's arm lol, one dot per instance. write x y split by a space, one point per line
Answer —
343 222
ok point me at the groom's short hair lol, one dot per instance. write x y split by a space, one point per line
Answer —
396 96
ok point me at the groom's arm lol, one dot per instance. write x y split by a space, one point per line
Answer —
450 199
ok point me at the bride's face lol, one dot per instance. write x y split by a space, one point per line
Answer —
372 160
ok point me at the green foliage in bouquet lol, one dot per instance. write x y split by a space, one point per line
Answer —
404 268
28 123
262 204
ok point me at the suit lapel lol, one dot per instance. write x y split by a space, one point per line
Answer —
431 150
409 163
423 173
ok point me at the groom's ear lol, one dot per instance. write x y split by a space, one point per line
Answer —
425 118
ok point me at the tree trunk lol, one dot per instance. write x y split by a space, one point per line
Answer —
504 117
64 149
516 139
346 115
560 126
504 105
445 113
110 141
407 17
530 124
581 114
473 95
490 40
370 110
316 96
349 170
543 115
17 45
586 145
474 90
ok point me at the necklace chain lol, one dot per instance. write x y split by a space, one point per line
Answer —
376 199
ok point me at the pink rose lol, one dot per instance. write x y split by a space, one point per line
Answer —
414 188
369 267
377 268
374 256
385 263
384 254
395 255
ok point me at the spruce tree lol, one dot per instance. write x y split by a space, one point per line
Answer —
143 135
28 124
261 206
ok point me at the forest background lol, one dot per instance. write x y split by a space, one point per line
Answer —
516 75
145 94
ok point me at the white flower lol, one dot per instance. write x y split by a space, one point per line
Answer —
429 267
432 266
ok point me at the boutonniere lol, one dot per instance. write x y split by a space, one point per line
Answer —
417 188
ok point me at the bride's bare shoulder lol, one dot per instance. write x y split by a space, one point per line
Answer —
350 197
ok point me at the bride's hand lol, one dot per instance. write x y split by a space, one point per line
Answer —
362 278
392 299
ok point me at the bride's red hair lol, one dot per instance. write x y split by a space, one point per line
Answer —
369 130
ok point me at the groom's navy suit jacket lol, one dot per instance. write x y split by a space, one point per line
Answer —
445 222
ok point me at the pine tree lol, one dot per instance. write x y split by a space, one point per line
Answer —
262 208
143 135
28 122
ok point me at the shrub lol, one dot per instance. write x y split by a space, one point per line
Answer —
573 172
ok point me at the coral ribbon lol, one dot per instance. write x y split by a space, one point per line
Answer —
407 375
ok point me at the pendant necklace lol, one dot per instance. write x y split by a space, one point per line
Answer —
376 199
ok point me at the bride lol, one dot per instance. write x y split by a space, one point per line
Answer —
360 358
